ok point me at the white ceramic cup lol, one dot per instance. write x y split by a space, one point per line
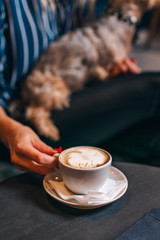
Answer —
82 180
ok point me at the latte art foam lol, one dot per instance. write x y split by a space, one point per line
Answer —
82 157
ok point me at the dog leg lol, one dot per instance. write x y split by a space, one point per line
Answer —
100 73
41 119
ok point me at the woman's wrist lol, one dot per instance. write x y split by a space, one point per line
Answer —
7 126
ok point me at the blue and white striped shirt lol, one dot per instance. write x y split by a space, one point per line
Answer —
26 29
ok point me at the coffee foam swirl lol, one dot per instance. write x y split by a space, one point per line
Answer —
85 158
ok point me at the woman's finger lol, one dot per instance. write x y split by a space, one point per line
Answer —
123 66
20 168
43 147
32 153
115 71
132 66
26 164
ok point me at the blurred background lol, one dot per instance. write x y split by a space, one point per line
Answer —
146 45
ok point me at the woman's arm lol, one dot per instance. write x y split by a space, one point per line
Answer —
27 151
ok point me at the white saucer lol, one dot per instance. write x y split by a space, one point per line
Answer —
115 175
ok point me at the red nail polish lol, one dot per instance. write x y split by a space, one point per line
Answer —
133 60
59 150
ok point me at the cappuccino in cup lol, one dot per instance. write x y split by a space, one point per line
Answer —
84 168
84 157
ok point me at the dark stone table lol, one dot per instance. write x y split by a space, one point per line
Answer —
28 212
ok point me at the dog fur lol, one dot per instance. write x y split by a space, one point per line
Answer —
78 57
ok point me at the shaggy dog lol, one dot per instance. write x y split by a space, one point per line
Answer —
78 57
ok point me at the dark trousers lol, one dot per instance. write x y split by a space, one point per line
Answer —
121 115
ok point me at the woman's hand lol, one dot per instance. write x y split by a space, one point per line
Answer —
127 65
27 151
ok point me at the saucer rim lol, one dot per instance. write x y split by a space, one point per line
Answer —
53 193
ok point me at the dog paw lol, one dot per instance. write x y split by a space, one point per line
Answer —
102 73
51 132
66 103
54 134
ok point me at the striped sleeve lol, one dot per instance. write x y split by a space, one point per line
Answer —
29 34
32 25
4 95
